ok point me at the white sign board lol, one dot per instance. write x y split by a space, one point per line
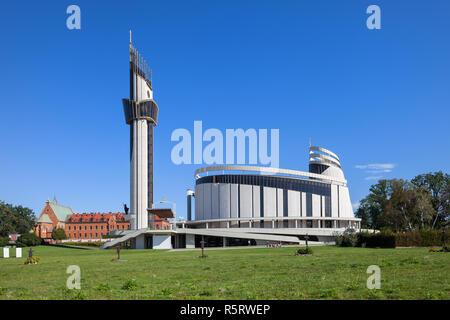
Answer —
5 252
18 252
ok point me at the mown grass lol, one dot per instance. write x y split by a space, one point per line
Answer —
258 273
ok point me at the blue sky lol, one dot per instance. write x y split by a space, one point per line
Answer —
312 69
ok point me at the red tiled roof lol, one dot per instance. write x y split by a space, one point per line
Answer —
95 217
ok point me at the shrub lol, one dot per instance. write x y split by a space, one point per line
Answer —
32 260
59 234
305 250
347 239
130 285
4 241
29 240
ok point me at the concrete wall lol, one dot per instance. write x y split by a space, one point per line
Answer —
224 198
162 242
270 202
293 203
246 201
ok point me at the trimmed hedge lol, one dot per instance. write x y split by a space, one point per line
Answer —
419 238
86 244
376 240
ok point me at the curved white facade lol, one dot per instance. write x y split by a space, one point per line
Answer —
262 197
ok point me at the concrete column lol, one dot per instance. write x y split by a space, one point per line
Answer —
224 242
140 242
228 224
296 223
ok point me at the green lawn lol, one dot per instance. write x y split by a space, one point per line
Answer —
258 273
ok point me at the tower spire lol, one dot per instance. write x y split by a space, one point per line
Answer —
130 36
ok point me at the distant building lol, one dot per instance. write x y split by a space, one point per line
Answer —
77 226
94 225
53 216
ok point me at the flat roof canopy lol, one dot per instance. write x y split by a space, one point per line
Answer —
162 213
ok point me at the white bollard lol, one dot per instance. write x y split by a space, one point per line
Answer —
18 252
5 252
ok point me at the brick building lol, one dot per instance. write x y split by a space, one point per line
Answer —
94 225
53 216
84 226
77 226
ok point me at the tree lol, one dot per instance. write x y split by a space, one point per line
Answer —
398 205
59 234
438 185
372 207
8 220
15 219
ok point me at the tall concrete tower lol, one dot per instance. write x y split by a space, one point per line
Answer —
141 113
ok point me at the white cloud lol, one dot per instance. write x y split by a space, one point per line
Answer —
376 166
355 205
376 170
373 178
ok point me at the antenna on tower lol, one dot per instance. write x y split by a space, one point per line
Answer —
130 36
310 142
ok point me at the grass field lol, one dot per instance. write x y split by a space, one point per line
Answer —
258 273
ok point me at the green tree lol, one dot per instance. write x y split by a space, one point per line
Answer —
8 220
400 208
372 207
59 234
15 219
396 205
438 185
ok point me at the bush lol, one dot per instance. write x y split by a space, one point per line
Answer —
347 240
29 240
376 240
59 234
305 250
32 260
4 241
130 285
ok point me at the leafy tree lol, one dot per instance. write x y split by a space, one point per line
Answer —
401 205
438 185
400 208
59 234
15 219
373 205
8 220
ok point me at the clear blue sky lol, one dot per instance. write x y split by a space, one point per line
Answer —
309 68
